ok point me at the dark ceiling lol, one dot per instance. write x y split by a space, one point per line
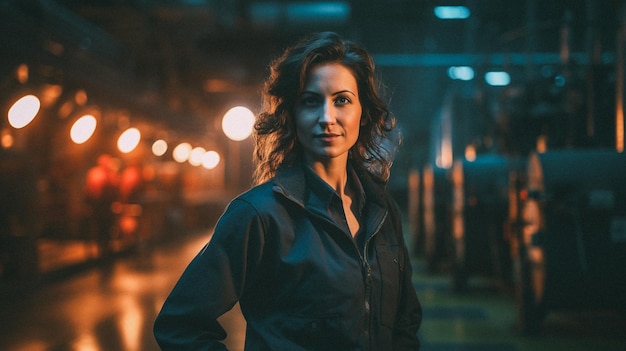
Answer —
192 59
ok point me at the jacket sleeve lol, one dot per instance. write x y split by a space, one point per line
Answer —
212 283
409 316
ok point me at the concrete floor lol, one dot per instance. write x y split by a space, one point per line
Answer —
112 309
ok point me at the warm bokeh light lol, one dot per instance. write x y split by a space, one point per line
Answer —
83 129
6 139
24 111
22 73
619 127
210 159
50 93
444 155
238 123
195 157
85 342
130 321
159 147
80 97
181 152
66 109
470 153
445 159
129 140
542 144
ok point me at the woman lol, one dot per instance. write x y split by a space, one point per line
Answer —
314 253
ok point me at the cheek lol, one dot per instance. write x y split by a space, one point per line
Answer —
305 120
301 128
298 120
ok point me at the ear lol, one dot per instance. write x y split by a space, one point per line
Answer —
363 121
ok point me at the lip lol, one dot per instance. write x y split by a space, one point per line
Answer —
327 137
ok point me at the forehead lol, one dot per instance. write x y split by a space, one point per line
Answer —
331 75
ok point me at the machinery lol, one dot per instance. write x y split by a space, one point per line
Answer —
571 240
479 216
436 216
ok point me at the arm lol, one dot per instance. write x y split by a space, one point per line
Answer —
212 283
409 316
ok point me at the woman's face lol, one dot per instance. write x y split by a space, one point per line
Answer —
328 113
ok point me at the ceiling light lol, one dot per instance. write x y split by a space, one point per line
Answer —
452 12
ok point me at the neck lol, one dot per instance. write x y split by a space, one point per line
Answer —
334 173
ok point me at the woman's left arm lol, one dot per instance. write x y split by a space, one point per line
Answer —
212 283
409 317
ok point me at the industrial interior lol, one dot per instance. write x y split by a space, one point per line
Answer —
511 176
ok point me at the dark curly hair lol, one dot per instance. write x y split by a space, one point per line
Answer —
275 132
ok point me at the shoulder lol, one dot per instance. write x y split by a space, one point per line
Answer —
244 215
259 201
256 212
254 199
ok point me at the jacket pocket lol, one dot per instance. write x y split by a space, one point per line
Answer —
314 332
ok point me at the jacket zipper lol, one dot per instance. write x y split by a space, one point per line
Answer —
368 279
367 269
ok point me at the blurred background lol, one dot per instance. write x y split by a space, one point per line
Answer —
125 130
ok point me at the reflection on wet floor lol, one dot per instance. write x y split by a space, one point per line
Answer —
101 309
484 318
113 308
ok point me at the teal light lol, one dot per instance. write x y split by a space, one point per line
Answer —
452 12
461 73
497 78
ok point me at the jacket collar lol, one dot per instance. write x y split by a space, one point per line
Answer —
295 182
290 181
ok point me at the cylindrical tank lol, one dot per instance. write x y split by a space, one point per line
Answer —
572 251
436 206
480 197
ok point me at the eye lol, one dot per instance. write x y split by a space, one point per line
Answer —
342 100
310 101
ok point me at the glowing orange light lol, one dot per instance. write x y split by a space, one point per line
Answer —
523 195
24 111
542 144
210 159
80 97
128 224
83 129
238 123
22 73
6 139
129 140
159 147
50 93
619 127
195 157
181 152
470 153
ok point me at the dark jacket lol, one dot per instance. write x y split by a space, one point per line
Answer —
284 251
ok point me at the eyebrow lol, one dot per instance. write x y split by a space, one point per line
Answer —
333 94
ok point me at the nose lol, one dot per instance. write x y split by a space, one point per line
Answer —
328 113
